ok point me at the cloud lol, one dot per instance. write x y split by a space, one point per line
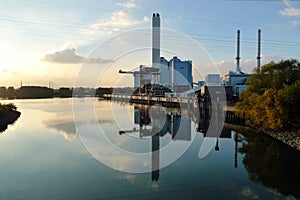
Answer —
294 24
129 177
116 21
290 12
128 5
287 2
68 55
247 65
66 128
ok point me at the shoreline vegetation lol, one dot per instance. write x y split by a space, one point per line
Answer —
8 115
271 101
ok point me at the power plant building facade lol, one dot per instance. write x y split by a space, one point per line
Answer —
238 78
174 74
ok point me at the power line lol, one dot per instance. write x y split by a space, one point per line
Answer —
59 27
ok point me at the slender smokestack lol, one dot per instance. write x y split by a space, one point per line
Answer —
155 40
238 69
258 49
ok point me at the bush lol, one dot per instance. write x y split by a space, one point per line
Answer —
271 100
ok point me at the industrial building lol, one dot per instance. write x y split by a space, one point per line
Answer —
213 80
238 78
237 81
174 74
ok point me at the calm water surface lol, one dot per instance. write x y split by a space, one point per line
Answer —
42 157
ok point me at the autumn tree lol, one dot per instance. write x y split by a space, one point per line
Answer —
271 99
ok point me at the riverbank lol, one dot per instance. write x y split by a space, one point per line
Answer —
292 139
8 118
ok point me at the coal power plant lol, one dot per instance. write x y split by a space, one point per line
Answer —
174 74
174 77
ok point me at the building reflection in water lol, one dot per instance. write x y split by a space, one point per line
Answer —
156 122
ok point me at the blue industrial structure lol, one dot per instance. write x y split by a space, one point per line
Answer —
176 74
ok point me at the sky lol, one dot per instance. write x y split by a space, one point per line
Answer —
57 41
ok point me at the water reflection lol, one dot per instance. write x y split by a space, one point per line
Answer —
65 127
60 117
273 164
157 122
266 161
239 166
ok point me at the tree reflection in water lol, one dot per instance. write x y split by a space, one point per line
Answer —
271 163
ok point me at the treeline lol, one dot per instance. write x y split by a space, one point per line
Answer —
27 92
83 92
272 97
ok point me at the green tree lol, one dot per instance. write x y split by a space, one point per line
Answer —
271 100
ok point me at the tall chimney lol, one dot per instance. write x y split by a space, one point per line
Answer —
258 49
155 40
238 69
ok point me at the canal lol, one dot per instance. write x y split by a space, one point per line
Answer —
87 148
